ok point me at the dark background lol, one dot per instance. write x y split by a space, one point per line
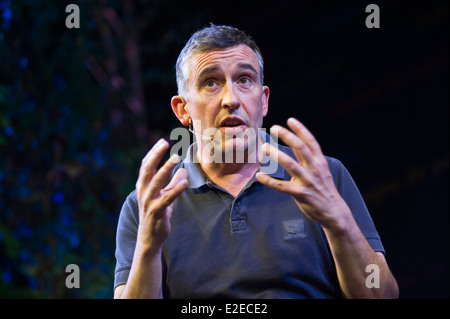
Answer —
79 108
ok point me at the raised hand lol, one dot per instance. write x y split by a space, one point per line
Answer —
154 200
312 185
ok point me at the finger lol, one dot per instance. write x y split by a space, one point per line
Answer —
162 175
277 184
298 128
170 195
301 150
291 165
180 175
150 163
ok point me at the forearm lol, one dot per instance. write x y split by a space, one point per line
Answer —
145 279
352 254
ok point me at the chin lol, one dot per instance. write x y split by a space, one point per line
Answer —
238 150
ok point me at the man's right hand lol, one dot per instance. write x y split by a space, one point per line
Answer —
155 201
155 210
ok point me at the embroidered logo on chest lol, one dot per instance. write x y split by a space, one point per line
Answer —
294 228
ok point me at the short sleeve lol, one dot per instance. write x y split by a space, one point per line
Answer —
126 239
352 196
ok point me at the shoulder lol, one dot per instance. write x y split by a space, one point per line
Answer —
131 200
334 164
130 210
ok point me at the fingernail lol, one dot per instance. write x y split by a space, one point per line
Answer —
259 175
183 182
159 142
275 128
175 158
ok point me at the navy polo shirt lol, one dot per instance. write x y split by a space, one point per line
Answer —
257 245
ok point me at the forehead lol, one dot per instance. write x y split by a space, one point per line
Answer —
224 59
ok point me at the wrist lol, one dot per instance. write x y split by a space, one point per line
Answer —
146 246
342 223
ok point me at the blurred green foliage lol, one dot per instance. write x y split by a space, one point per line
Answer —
74 125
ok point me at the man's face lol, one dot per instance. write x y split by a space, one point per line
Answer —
225 93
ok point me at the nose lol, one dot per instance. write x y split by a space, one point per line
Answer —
229 97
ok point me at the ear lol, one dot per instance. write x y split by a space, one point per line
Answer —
179 107
265 100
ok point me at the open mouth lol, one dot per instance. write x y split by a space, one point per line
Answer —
232 122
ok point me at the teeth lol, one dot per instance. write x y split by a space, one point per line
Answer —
232 123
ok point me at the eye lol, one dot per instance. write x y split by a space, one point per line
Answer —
244 80
210 83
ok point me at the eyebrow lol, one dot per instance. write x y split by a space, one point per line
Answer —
207 71
214 68
247 66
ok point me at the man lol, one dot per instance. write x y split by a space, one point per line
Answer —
233 229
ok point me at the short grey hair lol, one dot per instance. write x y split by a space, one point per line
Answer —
210 38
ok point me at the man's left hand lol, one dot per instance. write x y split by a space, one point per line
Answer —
312 185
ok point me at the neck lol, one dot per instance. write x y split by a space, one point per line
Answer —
230 172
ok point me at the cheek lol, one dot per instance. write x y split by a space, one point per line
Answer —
259 109
205 113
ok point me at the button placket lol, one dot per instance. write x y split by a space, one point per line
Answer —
238 217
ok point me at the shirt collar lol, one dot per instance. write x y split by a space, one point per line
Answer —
198 178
